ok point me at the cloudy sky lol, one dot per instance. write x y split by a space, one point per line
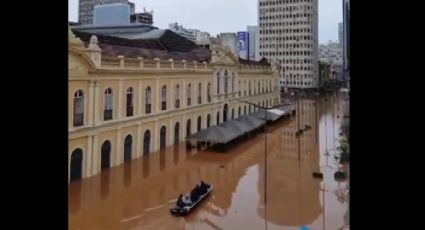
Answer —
215 16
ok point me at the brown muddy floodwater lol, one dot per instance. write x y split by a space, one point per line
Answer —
138 195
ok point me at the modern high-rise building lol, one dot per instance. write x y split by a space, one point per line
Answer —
86 9
253 44
340 34
289 37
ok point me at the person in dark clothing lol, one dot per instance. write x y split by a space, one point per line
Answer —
204 187
180 202
194 195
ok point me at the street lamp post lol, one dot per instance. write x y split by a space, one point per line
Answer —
265 152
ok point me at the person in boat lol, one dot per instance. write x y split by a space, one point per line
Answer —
204 187
183 200
195 193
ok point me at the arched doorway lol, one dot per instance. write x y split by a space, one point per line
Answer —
225 109
76 164
128 142
105 157
233 113
188 128
218 118
162 137
199 123
208 120
146 142
176 133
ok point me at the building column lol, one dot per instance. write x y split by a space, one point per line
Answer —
90 99
87 162
141 104
183 99
96 155
155 138
120 95
157 97
118 149
139 141
170 96
96 104
170 130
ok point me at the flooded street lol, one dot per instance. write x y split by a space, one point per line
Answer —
138 195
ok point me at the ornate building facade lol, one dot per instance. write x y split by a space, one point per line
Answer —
122 107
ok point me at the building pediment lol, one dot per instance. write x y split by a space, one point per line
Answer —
221 54
78 63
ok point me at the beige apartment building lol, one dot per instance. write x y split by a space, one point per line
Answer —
121 107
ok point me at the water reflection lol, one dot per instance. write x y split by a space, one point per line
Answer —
139 194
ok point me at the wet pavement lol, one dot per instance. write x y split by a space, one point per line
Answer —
138 195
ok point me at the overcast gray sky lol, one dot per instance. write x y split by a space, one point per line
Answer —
215 16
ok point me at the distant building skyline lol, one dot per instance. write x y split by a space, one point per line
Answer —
241 12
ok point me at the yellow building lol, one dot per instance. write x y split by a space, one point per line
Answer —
121 107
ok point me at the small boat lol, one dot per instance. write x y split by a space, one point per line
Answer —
318 175
183 210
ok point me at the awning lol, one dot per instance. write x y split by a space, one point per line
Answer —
228 130
215 134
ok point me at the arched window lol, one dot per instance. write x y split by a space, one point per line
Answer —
209 92
225 112
189 90
105 158
218 83
130 102
199 123
148 103
147 142
78 108
162 137
218 118
128 143
199 93
107 112
188 128
76 166
177 96
164 97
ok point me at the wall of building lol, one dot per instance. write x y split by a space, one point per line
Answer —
116 73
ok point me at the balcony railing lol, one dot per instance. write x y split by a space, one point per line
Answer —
130 110
148 108
78 119
107 114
